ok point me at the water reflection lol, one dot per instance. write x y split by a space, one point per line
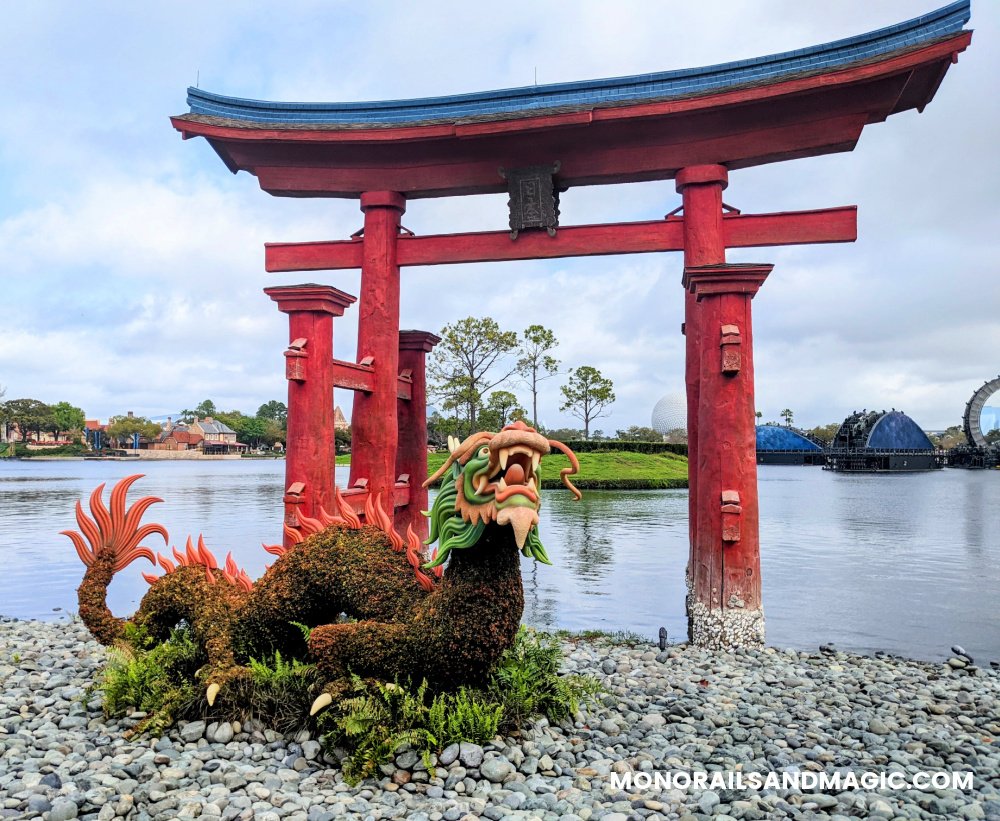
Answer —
905 563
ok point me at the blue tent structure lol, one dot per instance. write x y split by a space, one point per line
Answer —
777 445
882 441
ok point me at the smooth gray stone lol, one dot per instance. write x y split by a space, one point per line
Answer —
63 810
449 755
496 769
471 755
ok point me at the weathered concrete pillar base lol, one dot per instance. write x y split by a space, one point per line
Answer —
724 628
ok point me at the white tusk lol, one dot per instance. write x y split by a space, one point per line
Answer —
481 484
452 443
504 455
212 692
322 700
536 460
501 485
531 484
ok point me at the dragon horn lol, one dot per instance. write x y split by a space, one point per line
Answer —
565 473
458 453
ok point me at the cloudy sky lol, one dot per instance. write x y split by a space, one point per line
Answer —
132 262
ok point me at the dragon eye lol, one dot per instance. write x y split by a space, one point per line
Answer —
484 451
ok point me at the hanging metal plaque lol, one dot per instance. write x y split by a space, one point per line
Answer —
534 198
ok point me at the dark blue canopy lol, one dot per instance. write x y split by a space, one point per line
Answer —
774 437
896 431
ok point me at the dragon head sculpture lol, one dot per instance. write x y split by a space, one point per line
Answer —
493 480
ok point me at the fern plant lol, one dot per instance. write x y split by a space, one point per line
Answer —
305 629
527 681
278 672
277 691
376 718
376 721
464 716
159 681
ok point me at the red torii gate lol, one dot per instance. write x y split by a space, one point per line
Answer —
692 126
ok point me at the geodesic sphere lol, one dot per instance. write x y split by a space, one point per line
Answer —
670 414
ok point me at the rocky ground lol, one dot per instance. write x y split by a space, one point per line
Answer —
683 709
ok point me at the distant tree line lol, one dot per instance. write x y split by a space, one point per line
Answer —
32 416
265 428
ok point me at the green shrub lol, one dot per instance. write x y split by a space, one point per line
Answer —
278 692
527 681
159 681
376 718
597 445
75 449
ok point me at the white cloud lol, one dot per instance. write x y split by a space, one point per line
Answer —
135 261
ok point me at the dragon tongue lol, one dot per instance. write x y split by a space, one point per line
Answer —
514 475
521 519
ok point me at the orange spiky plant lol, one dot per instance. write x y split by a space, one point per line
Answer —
111 539
204 557
375 515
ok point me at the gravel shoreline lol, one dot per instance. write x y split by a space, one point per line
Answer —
682 709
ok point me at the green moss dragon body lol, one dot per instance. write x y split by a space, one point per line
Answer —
403 622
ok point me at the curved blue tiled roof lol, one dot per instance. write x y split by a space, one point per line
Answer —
945 21
896 431
773 437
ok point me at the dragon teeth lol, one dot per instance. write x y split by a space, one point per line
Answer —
322 700
504 455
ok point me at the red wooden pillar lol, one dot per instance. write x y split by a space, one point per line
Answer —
373 421
411 458
725 603
310 451
701 187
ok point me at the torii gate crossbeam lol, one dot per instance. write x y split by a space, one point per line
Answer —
739 231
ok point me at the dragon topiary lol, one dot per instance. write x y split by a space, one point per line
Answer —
447 619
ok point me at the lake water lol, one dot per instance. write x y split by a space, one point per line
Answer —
909 564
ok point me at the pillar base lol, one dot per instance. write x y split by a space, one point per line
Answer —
727 628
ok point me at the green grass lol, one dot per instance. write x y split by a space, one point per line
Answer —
610 470
626 638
